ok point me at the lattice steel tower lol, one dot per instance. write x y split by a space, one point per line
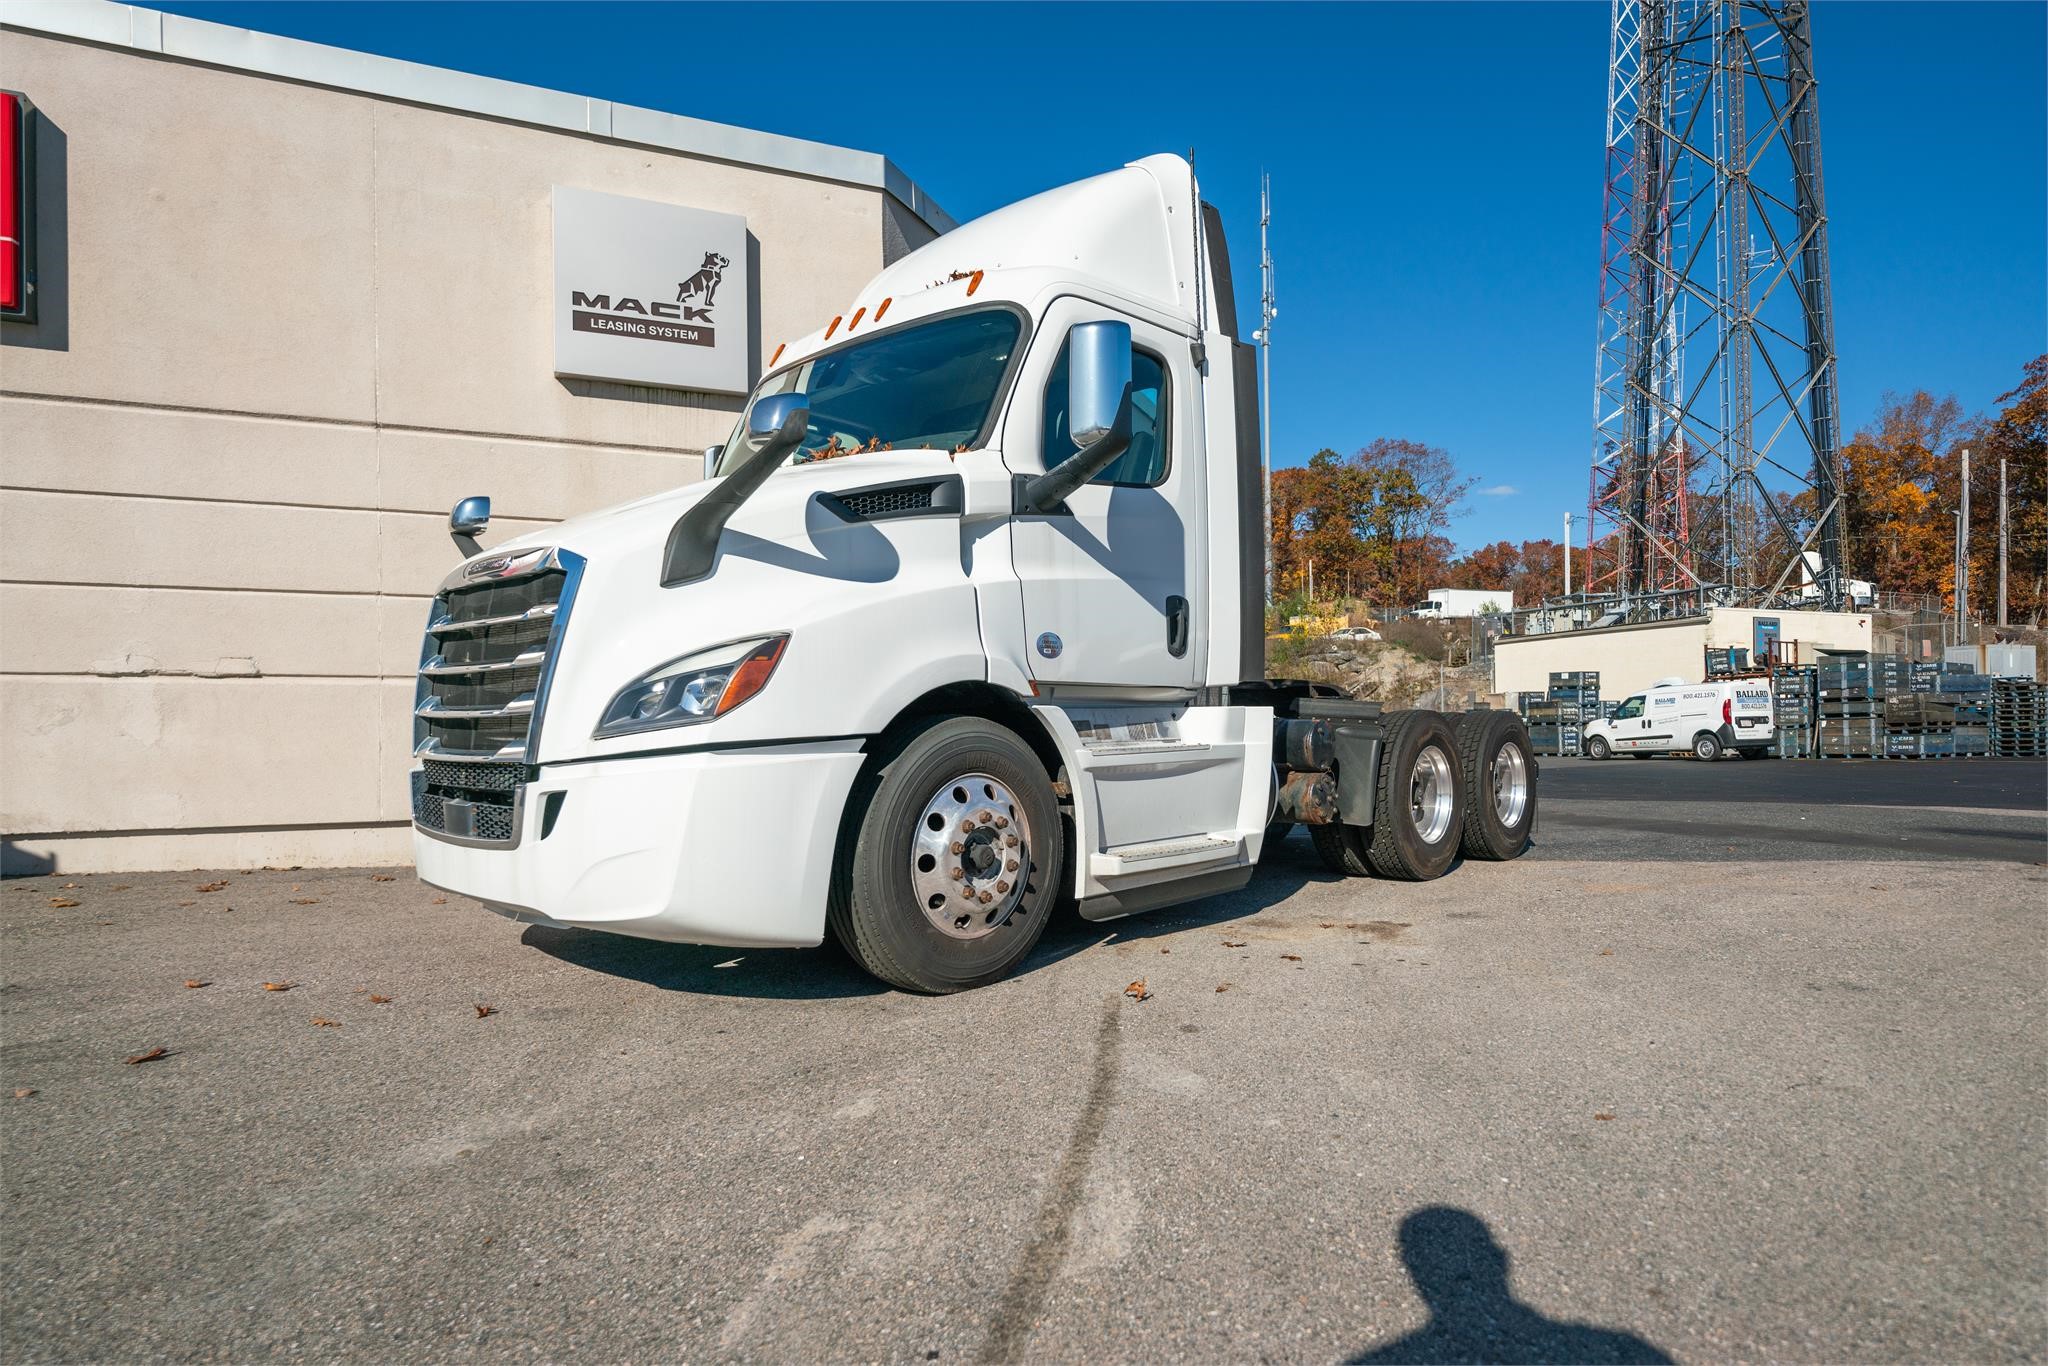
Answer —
1716 452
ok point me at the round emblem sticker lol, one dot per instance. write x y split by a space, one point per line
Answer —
1049 645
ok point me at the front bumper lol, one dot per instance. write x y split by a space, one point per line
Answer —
715 847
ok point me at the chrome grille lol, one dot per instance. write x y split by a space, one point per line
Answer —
492 636
495 625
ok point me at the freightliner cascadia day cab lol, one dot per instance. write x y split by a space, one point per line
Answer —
967 623
1705 720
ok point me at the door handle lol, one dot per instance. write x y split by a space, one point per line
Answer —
1176 626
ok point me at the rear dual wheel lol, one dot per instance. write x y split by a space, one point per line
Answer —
1499 769
1417 805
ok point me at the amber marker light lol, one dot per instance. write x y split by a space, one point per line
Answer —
752 674
834 327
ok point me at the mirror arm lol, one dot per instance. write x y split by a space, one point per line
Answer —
1047 491
693 541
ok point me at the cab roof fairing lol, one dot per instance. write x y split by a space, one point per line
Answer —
1127 234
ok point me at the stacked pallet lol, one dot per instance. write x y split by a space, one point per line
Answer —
1851 707
1795 708
1726 661
1557 719
1919 726
2019 719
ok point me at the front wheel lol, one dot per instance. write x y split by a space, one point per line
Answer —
1705 746
1418 810
950 858
1598 748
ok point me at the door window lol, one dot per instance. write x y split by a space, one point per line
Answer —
1144 464
1630 709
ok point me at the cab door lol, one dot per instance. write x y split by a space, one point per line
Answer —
1109 585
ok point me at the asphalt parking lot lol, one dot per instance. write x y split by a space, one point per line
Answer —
1742 1061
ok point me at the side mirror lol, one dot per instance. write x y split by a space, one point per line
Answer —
466 522
711 455
1098 411
470 516
775 426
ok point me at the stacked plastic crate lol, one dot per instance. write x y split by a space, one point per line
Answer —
1726 661
1919 725
1851 721
2019 719
1795 706
1971 693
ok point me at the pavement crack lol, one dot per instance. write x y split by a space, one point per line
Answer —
1023 1299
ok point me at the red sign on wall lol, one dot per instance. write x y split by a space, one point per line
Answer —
17 207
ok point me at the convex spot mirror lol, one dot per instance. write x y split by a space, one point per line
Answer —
779 415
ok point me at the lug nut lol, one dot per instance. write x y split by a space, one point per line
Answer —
959 847
986 898
959 873
985 817
1002 886
967 893
967 827
1002 822
1009 839
1010 867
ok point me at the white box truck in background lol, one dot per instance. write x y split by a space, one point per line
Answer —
1466 602
969 621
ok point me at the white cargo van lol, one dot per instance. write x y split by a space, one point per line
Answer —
1677 717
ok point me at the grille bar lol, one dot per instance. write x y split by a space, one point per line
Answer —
451 627
439 667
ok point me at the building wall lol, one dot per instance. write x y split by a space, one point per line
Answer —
1631 658
283 328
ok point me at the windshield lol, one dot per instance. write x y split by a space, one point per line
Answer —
925 387
1632 707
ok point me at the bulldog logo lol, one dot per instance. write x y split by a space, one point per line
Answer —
704 284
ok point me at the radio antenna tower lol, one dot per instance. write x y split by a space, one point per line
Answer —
1267 312
1716 461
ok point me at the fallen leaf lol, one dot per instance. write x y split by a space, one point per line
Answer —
380 1000
210 887
483 1010
439 901
296 887
68 887
1607 953
24 1092
305 901
1329 924
1233 943
1166 950
1223 986
1291 957
279 986
151 1056
118 887
62 901
1137 991
382 877
193 984
1603 1115
188 903
323 1022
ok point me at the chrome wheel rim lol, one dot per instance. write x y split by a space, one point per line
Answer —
970 857
1431 795
1510 785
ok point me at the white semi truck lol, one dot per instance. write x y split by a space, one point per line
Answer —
967 623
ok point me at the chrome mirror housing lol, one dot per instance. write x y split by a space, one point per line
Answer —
774 415
470 516
1098 380
711 455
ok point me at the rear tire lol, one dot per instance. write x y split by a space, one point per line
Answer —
1341 848
894 905
1499 772
1706 747
1598 748
1418 805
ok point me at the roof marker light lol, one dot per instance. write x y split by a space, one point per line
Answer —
780 347
883 307
833 328
858 314
973 284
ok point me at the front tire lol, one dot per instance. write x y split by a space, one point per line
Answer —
950 858
1706 747
1499 773
1418 809
1598 748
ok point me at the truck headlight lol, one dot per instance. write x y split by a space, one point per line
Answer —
695 688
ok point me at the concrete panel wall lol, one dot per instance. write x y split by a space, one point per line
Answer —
1627 658
1810 631
284 329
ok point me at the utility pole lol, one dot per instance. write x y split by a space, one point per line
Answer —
1267 312
2002 540
1963 556
1567 554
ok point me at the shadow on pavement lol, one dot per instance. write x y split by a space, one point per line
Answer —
1461 1273
826 973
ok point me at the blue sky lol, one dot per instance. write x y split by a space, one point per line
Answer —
1436 170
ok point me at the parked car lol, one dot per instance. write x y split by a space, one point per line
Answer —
1354 633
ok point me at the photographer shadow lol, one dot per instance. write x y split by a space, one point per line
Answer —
1461 1274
